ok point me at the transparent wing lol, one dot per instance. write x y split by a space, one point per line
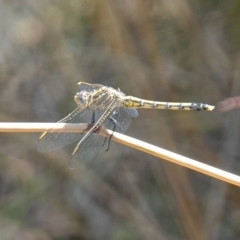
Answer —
118 119
89 87
95 144
51 139
89 148
132 112
123 117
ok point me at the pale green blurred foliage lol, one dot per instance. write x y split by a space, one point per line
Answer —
164 50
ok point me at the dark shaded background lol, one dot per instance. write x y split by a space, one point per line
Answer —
164 50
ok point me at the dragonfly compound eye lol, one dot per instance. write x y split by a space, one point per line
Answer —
82 96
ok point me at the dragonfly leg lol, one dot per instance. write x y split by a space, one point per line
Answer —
93 117
114 122
93 120
91 124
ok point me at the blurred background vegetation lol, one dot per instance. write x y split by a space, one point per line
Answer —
167 50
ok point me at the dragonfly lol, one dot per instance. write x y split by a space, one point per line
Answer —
101 107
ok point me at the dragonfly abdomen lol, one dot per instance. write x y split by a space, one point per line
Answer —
133 102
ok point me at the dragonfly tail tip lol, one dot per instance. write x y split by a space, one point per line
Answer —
210 108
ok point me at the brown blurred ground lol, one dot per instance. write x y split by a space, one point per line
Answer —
163 50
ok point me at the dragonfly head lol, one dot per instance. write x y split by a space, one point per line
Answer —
81 97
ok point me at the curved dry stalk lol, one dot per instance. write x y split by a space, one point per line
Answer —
131 142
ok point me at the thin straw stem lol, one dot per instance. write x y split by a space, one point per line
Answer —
132 142
39 127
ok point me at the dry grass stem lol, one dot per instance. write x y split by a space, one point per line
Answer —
132 142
